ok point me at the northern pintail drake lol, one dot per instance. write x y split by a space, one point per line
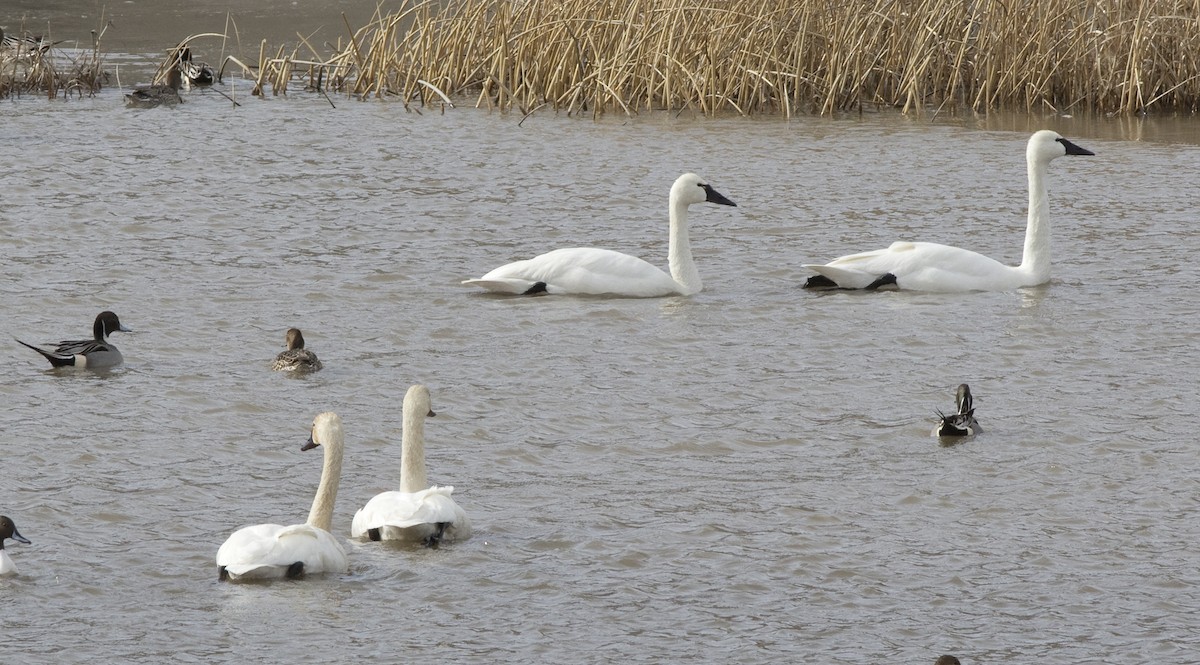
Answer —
8 530
93 353
158 94
417 512
592 271
962 423
194 73
296 358
273 551
928 266
25 47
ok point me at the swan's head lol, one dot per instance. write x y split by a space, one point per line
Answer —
690 188
416 400
294 339
326 431
1047 145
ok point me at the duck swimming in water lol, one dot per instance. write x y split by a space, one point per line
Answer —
296 358
194 73
94 353
962 423
150 96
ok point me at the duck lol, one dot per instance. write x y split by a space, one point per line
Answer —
296 358
158 94
592 271
25 47
418 512
927 266
272 551
9 530
95 353
962 423
194 73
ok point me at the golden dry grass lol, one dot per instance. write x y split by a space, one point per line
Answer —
776 56
51 71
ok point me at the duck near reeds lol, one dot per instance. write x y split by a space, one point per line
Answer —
963 422
591 271
158 94
194 73
418 512
8 530
93 353
24 47
927 266
296 358
273 551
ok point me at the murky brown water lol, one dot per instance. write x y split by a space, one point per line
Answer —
741 476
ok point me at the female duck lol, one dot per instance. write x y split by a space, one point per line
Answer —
271 551
8 530
591 271
418 512
150 96
962 423
296 358
94 353
927 266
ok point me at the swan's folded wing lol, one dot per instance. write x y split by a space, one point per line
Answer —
266 550
401 510
250 548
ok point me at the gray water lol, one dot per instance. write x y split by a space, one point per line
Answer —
743 476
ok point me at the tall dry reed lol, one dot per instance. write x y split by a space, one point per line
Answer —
37 65
773 56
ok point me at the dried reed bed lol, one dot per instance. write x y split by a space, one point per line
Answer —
772 56
50 71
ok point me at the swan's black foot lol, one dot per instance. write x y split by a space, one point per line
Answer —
374 535
222 574
434 539
820 282
540 287
885 280
295 570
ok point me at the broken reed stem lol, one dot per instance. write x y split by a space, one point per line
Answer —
803 56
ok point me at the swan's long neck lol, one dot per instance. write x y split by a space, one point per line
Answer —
412 454
321 514
1036 259
679 252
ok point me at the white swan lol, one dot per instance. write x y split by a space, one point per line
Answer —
591 271
418 512
927 266
269 551
8 530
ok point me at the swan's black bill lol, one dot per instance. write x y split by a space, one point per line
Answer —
713 196
1073 149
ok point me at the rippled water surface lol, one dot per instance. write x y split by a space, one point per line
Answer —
742 476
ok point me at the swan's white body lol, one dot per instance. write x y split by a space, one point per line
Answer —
591 271
927 266
272 551
417 512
